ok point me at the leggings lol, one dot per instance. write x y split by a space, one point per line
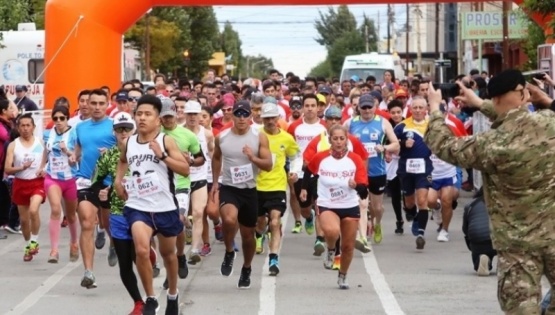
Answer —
396 197
125 250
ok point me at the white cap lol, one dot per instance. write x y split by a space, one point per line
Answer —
123 119
192 107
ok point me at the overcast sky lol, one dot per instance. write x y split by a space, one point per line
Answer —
285 32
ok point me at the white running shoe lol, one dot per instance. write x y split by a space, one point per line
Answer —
443 236
483 267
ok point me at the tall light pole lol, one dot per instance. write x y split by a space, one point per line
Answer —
147 44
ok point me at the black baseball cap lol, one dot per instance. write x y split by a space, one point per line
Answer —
242 105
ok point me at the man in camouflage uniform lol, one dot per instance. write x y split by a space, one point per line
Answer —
517 160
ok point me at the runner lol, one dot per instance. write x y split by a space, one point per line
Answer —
304 130
84 111
93 137
119 229
239 152
341 177
395 108
188 144
415 168
151 207
271 186
198 177
373 130
24 160
59 182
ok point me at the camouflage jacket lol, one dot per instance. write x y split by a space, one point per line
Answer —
106 166
517 161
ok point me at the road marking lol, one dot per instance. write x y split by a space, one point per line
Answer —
267 295
39 292
388 300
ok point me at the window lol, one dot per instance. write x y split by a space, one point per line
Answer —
35 68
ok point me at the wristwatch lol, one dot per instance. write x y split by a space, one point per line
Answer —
163 157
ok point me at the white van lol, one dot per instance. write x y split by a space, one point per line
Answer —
371 64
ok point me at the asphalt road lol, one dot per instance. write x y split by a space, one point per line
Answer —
393 279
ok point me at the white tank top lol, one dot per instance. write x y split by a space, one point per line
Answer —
22 155
151 186
200 172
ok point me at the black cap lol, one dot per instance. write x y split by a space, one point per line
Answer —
21 88
295 100
505 82
242 105
324 89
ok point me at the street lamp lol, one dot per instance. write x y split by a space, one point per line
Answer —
186 61
147 44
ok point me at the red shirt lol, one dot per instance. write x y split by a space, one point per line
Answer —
318 144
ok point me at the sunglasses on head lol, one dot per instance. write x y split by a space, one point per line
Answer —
241 114
59 118
122 129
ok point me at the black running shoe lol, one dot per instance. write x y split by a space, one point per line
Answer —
172 307
183 269
151 306
227 265
399 230
245 279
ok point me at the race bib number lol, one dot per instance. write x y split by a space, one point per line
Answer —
183 201
128 185
337 194
58 164
147 185
416 166
241 174
371 149
83 183
34 159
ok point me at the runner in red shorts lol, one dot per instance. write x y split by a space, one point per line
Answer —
24 160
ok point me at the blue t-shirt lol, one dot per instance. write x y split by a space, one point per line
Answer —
58 166
418 156
92 136
371 133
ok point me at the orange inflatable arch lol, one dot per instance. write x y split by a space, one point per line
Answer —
83 38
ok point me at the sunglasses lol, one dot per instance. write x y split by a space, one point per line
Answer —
59 118
366 107
333 118
241 114
296 107
122 129
133 99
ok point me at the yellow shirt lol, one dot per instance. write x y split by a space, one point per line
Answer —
282 145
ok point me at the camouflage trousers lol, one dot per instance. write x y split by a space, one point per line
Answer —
519 276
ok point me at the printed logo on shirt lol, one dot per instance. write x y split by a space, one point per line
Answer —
373 136
340 175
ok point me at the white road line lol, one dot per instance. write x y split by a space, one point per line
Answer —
267 295
39 292
389 303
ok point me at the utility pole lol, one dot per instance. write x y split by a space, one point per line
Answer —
147 46
407 28
418 33
437 31
379 35
389 28
506 11
366 39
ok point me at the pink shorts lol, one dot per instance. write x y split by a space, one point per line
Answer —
68 187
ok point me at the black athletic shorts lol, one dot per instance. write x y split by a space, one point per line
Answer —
311 192
271 200
196 185
91 195
246 202
353 213
376 184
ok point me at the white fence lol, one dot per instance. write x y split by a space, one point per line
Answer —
480 123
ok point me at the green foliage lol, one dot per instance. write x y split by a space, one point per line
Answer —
205 38
36 11
340 35
323 69
543 7
13 12
231 46
536 36
256 67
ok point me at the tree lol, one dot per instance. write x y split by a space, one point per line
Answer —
36 12
13 12
543 7
536 36
348 44
163 38
205 38
231 46
333 25
323 69
369 26
256 67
